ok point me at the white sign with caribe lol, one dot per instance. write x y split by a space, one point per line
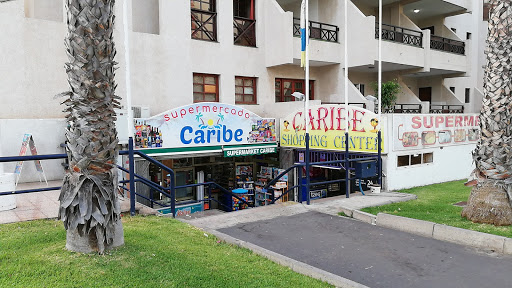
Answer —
203 124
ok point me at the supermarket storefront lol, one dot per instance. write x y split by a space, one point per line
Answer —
205 142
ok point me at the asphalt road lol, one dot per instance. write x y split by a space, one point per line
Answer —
375 256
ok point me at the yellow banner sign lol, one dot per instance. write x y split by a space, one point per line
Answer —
327 127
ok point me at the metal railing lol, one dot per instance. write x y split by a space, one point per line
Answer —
318 30
362 105
170 191
438 109
244 31
447 45
404 108
341 163
400 35
204 25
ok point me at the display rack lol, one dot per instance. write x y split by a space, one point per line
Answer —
280 188
234 204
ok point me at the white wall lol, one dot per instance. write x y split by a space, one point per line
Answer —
449 163
48 134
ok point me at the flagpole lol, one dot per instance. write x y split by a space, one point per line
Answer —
306 106
379 134
380 63
347 176
127 70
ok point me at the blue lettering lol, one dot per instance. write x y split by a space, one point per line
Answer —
226 131
238 135
199 137
182 134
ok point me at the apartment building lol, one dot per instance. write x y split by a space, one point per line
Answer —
246 53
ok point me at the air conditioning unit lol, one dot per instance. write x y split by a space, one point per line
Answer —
141 112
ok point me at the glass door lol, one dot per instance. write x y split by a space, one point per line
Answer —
184 177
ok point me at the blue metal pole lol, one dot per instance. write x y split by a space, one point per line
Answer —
131 162
307 169
173 196
209 196
299 176
379 159
347 171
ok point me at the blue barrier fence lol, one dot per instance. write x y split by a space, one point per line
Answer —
170 191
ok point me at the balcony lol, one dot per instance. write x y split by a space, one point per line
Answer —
400 35
204 25
244 31
318 30
404 108
447 109
448 45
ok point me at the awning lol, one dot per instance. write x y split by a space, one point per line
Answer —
252 150
229 151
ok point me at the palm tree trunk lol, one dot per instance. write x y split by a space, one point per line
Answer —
490 199
89 206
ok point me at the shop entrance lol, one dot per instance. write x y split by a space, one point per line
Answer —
228 172
184 176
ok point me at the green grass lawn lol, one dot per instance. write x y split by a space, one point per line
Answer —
158 252
435 204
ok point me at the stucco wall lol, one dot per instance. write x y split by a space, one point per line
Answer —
449 163
48 134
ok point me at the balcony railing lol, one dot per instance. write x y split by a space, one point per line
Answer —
448 45
404 108
438 109
204 25
244 31
400 35
362 105
317 30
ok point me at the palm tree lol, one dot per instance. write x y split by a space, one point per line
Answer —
491 195
89 206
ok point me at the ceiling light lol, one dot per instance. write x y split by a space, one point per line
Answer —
416 10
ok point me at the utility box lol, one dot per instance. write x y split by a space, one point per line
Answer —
366 169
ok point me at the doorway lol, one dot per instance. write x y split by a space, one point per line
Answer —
184 177
426 94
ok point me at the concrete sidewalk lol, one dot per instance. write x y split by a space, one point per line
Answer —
331 206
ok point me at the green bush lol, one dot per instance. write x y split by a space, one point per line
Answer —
389 91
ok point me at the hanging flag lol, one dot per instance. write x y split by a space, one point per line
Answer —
303 34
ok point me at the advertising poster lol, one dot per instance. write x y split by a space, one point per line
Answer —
419 131
203 124
327 127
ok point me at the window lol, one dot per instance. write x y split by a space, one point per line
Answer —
204 20
468 35
452 89
46 10
466 95
285 87
244 23
206 88
360 87
145 16
415 159
454 30
245 90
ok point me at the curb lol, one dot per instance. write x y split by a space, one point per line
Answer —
419 227
365 217
470 238
447 233
294 265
